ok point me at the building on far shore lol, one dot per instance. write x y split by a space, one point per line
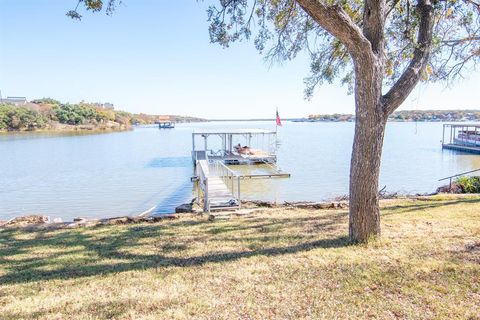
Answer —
106 105
18 101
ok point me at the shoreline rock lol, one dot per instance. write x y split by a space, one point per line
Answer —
194 209
297 204
26 220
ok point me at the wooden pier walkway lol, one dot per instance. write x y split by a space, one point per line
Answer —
213 180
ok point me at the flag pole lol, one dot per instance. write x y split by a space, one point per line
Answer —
276 125
276 129
276 120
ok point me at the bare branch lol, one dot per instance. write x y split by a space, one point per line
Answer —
413 73
458 41
338 23
391 8
476 4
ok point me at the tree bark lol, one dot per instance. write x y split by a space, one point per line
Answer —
364 220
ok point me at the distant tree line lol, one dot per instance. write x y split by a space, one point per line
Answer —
43 113
408 115
46 112
81 114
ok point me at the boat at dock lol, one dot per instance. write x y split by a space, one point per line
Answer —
461 137
235 147
471 138
166 125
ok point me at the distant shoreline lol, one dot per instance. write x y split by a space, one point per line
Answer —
465 115
311 121
71 129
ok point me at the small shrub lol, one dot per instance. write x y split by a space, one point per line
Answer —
469 184
46 101
18 118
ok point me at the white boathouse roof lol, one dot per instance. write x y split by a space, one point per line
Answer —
234 131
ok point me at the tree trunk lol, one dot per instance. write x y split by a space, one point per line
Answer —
364 222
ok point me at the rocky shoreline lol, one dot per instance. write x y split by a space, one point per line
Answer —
193 209
187 208
67 128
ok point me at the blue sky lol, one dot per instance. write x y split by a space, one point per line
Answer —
156 57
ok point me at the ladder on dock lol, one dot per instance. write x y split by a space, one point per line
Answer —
220 186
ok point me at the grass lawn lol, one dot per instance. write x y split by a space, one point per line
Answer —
273 264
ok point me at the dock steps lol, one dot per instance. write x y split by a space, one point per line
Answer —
225 215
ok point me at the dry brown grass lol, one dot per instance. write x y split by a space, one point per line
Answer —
274 264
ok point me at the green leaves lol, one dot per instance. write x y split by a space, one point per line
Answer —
281 29
469 184
81 114
94 6
18 118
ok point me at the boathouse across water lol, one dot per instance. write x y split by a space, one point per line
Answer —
461 137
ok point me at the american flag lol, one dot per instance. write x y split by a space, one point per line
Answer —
279 122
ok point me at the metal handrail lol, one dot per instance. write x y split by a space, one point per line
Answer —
223 166
216 168
216 153
228 176
456 175
203 185
460 174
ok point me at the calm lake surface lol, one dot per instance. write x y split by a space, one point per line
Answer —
122 173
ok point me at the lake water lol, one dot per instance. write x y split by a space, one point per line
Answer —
121 173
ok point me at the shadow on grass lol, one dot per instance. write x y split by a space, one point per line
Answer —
410 207
67 254
103 310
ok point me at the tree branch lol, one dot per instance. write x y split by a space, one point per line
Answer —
391 8
413 73
455 42
374 23
338 23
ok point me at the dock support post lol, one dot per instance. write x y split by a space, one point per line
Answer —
224 143
475 135
238 191
443 135
198 191
206 207
194 154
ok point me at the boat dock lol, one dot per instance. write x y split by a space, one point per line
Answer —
461 137
217 184
164 122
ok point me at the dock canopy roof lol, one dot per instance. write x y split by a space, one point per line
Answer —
163 118
233 131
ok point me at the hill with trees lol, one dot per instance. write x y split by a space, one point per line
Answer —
406 115
50 114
